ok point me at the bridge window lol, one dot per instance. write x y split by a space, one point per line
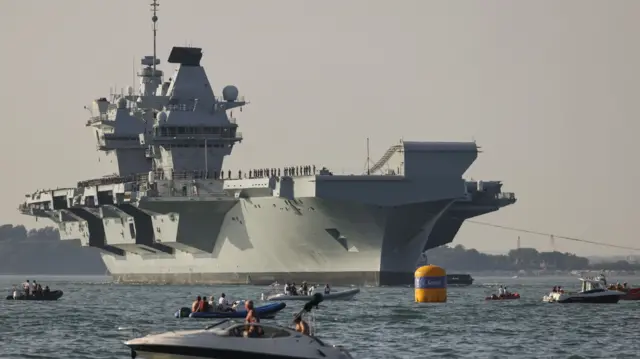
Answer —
172 131
122 138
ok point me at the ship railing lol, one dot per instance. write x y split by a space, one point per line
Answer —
180 107
141 177
506 195
199 136
97 119
221 99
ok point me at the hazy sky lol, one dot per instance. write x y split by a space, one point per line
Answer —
548 89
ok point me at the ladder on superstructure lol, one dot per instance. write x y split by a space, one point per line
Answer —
386 157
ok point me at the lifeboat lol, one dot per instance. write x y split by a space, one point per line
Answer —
503 297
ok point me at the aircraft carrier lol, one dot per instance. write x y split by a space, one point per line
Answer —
170 212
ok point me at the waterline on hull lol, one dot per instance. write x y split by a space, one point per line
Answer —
373 278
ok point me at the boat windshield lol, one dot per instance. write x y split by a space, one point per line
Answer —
589 284
217 324
238 330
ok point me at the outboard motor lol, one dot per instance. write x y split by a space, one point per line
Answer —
183 312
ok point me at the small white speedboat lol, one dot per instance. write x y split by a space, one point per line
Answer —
593 291
341 295
228 339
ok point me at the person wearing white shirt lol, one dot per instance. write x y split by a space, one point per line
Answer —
15 293
25 287
500 291
32 287
223 303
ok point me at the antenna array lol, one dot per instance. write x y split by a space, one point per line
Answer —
154 19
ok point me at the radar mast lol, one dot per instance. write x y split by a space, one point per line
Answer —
154 19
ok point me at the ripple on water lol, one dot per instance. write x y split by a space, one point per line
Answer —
380 323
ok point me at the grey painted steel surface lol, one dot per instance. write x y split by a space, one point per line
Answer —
170 211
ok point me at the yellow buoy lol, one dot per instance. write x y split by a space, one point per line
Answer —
430 284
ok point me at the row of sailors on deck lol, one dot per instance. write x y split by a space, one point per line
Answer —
32 289
292 171
291 289
202 305
254 173
276 172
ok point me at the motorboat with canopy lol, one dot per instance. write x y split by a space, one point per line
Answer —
594 290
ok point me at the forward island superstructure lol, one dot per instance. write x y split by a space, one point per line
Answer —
172 213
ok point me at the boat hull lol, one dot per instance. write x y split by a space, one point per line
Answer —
598 297
53 295
512 297
165 352
632 294
342 295
268 311
608 299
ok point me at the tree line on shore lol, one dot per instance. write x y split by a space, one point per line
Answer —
456 257
19 232
460 258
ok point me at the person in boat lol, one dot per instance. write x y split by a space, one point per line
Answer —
305 289
327 290
287 288
555 289
25 287
501 292
223 303
294 289
251 331
46 290
15 293
204 305
38 289
212 301
301 325
196 304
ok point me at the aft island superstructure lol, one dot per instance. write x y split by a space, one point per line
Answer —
172 213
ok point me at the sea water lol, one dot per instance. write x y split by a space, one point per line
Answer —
379 323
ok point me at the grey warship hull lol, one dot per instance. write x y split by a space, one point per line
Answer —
171 213
261 239
482 198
